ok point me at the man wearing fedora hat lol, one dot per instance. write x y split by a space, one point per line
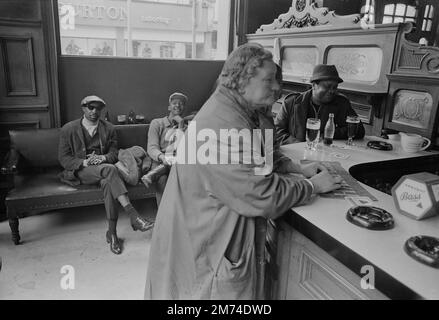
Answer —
87 152
161 141
318 102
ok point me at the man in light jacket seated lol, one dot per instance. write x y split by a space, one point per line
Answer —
163 137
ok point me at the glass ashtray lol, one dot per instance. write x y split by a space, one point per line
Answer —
380 145
424 249
370 217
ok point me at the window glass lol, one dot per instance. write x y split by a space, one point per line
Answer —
428 25
171 29
387 19
400 9
389 8
411 11
431 12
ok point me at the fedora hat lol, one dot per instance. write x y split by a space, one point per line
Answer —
323 72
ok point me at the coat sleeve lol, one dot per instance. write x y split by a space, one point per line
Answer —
284 164
112 153
282 121
252 195
154 140
66 155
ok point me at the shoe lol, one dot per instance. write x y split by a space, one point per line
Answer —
114 242
141 224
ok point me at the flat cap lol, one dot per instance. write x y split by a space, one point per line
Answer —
89 99
178 95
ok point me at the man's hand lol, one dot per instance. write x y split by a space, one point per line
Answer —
162 159
311 169
325 182
177 119
95 159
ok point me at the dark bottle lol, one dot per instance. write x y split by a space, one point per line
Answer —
131 119
107 116
329 130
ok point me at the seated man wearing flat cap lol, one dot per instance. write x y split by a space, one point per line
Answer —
318 102
162 139
87 152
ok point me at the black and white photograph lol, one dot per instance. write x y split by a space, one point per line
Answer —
221 156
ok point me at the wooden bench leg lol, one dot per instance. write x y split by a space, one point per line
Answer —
13 224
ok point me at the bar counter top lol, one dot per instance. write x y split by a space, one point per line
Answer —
324 222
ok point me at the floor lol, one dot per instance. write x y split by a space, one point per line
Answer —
64 255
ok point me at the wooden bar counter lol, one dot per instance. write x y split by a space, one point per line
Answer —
313 252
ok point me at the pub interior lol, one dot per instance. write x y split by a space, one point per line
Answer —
134 53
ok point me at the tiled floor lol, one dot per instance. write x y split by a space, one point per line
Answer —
74 237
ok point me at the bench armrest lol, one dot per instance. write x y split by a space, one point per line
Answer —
10 163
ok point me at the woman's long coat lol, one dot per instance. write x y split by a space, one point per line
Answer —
203 239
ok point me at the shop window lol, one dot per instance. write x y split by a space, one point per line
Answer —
87 46
399 12
145 28
166 51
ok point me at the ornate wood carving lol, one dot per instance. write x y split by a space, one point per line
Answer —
412 104
305 13
415 59
412 108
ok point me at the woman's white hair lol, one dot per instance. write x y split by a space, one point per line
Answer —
241 65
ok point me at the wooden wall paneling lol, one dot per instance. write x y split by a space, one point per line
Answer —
308 272
52 49
28 69
362 56
18 65
24 73
19 11
28 63
413 100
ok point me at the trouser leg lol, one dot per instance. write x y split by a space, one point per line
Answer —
107 176
160 180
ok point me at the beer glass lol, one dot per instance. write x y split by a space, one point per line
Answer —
312 133
352 122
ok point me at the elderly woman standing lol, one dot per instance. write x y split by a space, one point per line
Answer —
203 241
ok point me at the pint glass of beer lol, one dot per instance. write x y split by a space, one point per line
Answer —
352 122
312 133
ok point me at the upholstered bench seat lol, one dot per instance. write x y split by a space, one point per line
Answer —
37 188
44 192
